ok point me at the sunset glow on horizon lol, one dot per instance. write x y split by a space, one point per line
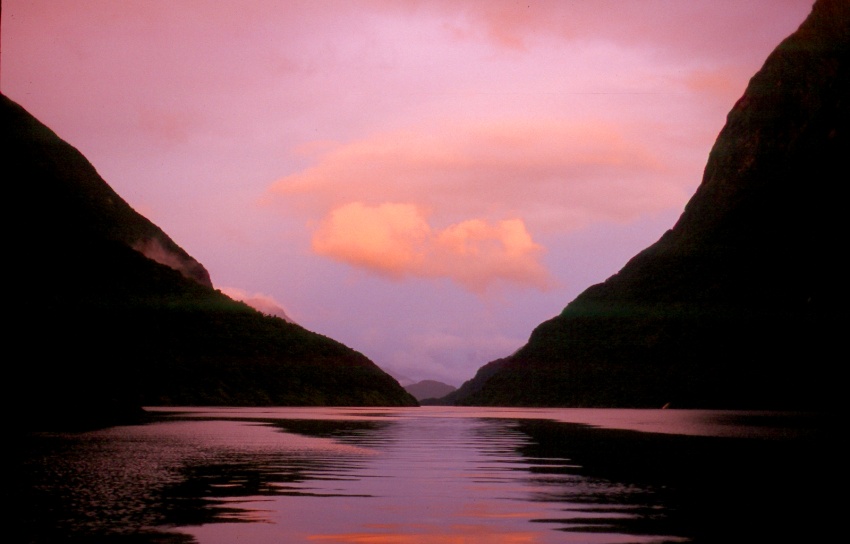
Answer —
423 180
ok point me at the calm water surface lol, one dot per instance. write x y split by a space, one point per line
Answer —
431 475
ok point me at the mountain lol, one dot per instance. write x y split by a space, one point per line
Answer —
109 314
471 388
736 306
429 389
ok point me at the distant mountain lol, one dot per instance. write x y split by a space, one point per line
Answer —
429 389
737 306
108 314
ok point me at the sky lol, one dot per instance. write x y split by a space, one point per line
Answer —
424 181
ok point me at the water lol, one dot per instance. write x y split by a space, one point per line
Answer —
431 475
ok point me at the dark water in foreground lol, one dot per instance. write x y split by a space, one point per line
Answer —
431 475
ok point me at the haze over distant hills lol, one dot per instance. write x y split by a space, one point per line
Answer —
109 314
737 305
429 389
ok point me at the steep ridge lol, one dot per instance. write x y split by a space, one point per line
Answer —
737 305
62 186
109 314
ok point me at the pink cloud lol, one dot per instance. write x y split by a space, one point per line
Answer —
396 240
259 301
563 173
171 127
680 28
722 84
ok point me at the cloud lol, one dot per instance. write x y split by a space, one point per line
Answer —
390 238
259 301
167 126
459 199
447 356
679 28
723 84
153 249
396 240
491 169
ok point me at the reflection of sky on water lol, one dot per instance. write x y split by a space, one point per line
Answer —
717 423
435 475
432 480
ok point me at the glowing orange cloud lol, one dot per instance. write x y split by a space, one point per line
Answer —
390 238
396 240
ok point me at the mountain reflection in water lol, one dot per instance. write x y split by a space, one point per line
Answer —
430 475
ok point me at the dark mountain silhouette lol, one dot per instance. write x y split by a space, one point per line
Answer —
472 387
429 389
737 305
109 314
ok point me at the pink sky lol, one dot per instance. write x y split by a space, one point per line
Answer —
424 181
